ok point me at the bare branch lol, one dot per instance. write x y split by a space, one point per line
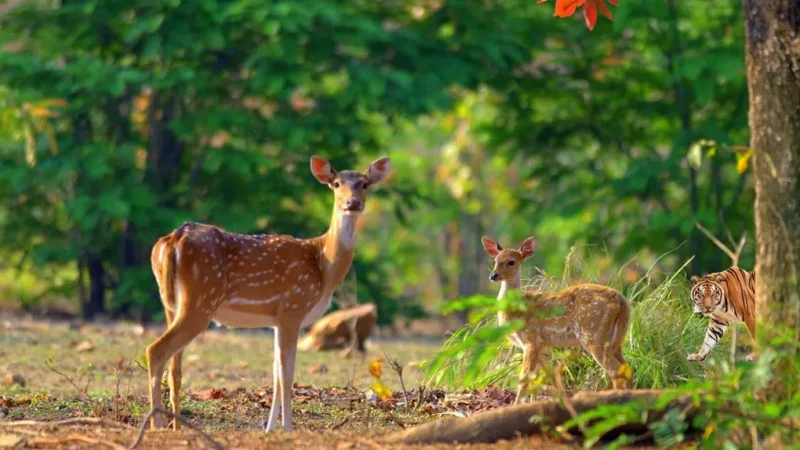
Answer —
716 241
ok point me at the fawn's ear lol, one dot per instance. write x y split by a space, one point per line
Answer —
492 248
322 170
528 247
378 170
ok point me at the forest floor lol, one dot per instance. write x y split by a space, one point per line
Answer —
54 371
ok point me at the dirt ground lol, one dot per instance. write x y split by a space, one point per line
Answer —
55 371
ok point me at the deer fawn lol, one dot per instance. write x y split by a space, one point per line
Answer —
254 281
594 317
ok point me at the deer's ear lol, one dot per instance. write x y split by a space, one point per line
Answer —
322 170
528 247
492 248
378 170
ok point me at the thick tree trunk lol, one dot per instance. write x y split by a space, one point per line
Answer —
773 78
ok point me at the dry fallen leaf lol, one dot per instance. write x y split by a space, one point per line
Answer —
209 394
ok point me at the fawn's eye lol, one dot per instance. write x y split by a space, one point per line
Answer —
335 184
365 185
511 263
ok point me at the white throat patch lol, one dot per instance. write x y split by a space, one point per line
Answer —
347 229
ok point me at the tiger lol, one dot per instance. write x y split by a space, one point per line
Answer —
725 297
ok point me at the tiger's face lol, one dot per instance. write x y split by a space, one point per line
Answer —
707 295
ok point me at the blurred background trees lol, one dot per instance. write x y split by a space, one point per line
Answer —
120 120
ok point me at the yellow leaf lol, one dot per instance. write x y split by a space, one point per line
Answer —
625 371
743 160
40 111
381 390
707 432
376 368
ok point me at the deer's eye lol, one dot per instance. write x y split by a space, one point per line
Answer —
335 184
365 185
511 263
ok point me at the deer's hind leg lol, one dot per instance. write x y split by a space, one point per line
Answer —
597 344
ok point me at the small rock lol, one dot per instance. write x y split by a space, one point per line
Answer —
10 379
372 398
84 346
3 413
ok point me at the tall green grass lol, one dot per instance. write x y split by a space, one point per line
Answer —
662 333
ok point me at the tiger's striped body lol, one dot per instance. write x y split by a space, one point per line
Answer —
724 297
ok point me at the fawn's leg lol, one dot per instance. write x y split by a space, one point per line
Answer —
530 360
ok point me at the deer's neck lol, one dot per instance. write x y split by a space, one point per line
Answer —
336 252
506 286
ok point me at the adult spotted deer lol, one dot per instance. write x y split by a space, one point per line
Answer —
585 315
254 281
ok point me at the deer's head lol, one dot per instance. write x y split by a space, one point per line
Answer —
349 186
507 260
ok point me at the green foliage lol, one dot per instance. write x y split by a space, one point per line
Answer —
498 119
750 405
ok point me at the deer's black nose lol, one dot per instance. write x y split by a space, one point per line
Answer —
493 276
353 204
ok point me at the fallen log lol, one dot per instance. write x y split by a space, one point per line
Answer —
515 421
335 330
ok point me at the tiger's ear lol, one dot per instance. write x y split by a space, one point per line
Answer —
719 278
694 279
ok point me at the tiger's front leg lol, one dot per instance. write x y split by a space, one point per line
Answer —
714 333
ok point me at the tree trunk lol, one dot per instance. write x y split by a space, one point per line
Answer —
470 259
97 287
773 78
128 261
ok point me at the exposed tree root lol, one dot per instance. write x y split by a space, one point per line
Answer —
515 421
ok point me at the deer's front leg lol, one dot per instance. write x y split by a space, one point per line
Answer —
288 343
714 333
276 383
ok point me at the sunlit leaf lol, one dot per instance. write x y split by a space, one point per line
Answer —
566 8
376 368
743 160
381 390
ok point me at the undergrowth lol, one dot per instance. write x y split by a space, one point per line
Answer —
662 333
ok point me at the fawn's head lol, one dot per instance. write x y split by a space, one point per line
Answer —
507 260
349 186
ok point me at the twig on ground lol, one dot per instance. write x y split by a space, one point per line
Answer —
66 422
178 417
341 424
75 437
